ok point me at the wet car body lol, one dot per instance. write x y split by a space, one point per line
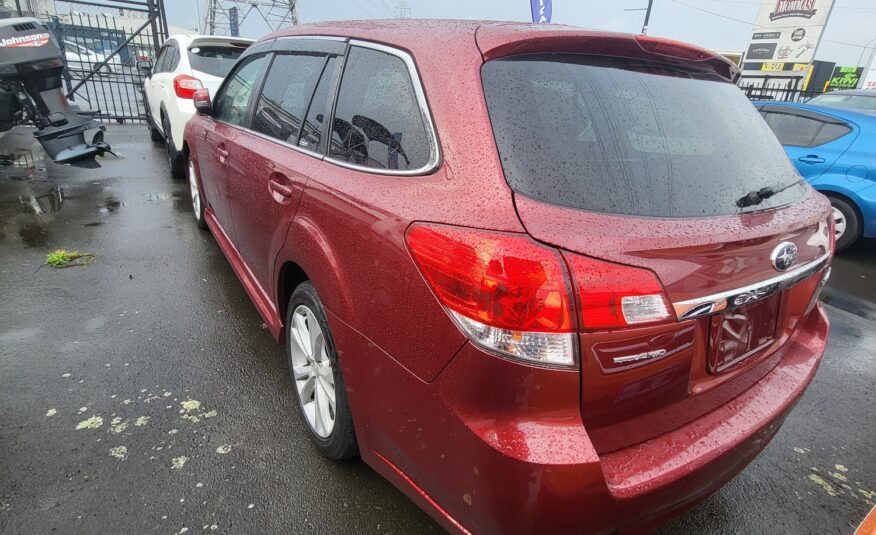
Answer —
485 443
832 148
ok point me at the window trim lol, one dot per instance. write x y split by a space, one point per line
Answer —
434 147
256 88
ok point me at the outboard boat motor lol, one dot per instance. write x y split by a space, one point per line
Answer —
30 93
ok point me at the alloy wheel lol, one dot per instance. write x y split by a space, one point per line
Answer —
313 372
839 220
194 190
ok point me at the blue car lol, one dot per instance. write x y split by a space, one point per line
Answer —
835 151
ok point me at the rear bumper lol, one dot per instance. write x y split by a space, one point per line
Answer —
495 447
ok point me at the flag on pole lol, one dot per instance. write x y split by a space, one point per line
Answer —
541 11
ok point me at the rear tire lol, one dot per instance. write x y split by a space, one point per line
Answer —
313 363
195 192
174 158
847 221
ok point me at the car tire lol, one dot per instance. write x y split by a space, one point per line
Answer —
313 364
174 158
195 193
847 221
154 134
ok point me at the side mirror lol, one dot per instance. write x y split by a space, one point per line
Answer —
144 67
203 106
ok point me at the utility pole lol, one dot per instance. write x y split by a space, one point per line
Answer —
647 17
647 11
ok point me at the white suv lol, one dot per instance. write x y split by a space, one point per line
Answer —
184 64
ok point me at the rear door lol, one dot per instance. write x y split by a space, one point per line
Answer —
813 141
285 142
230 109
635 169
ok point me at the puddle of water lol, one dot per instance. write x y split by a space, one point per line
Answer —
33 235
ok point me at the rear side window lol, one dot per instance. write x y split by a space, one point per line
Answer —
378 121
630 137
830 132
232 100
172 60
162 59
286 94
793 129
799 131
214 60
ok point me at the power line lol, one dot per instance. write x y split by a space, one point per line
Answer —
721 15
749 2
380 9
364 10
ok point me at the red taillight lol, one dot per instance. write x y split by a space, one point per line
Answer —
500 280
613 295
185 86
676 49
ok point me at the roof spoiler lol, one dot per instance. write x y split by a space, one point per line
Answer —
566 40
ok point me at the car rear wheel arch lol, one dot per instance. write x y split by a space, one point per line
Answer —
854 228
291 275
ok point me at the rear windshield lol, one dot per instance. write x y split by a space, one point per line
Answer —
214 60
629 137
850 102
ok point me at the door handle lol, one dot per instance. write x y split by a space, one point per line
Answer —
280 192
222 153
811 159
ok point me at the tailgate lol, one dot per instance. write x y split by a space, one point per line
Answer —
641 382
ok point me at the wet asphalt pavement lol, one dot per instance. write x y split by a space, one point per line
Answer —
141 393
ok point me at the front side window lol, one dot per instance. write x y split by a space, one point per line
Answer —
631 137
286 94
233 98
378 121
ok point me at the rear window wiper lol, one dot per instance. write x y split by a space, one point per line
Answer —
757 196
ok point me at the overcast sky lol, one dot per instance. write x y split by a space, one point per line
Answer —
852 21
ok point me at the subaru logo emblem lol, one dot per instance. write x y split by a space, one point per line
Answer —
784 256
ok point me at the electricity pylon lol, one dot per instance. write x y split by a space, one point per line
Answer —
276 14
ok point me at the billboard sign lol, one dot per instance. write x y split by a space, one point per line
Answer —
846 77
787 31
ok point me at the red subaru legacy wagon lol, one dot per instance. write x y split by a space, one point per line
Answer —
540 278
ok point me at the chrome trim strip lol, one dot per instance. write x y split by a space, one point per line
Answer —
729 299
301 36
281 142
434 148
